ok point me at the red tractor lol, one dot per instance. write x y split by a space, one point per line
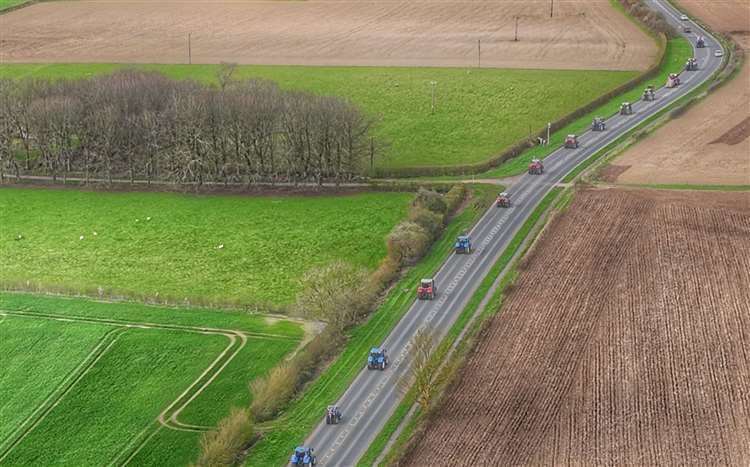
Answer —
427 289
571 142
536 167
503 200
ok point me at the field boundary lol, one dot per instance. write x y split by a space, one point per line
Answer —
168 418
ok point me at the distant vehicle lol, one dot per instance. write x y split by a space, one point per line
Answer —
427 289
303 456
463 244
701 42
503 200
598 124
684 17
536 167
718 53
333 415
377 360
571 142
626 108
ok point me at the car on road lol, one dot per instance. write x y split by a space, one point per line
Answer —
718 53
684 17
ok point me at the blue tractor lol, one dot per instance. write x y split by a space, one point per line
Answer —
463 244
377 360
303 456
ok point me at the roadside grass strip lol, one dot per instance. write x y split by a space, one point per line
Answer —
479 300
135 382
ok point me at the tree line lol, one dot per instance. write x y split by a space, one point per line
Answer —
143 126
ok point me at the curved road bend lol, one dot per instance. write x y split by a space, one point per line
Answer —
373 396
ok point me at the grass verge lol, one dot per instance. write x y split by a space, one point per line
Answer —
380 442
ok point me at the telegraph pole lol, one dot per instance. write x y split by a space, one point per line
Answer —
551 7
479 52
190 51
433 83
515 39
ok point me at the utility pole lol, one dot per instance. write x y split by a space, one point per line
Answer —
372 154
190 51
433 83
479 52
515 39
549 125
551 7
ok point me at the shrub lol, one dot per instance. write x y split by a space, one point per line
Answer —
431 221
271 392
454 198
224 445
429 199
407 242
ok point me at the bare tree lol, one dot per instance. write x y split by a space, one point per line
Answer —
421 375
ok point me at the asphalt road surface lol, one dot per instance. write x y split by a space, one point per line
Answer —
373 396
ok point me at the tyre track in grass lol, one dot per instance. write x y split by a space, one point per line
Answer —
168 418
46 407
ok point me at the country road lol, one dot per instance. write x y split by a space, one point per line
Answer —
373 396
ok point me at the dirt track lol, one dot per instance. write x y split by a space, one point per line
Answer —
711 142
626 340
586 34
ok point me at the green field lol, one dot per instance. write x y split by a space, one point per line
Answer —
479 112
161 246
103 373
5 4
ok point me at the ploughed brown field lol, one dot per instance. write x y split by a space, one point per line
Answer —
625 340
583 34
710 143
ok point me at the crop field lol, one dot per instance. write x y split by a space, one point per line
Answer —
583 34
478 113
124 382
200 249
623 342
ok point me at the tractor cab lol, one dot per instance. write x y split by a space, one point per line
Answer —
536 167
333 415
626 108
427 289
598 124
503 200
303 456
463 244
377 360
571 142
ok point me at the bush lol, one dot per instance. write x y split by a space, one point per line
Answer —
454 198
407 242
271 392
429 199
224 445
430 221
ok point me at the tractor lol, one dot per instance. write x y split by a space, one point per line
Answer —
571 142
303 456
649 94
687 29
333 415
536 167
701 42
463 244
598 124
691 64
377 360
673 80
427 289
503 200
626 108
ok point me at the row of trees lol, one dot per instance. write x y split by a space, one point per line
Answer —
144 126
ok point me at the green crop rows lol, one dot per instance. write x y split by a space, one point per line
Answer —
479 112
103 373
203 249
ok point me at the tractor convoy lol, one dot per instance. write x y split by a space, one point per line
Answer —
700 42
673 80
377 360
571 142
333 415
503 200
462 245
598 124
427 289
691 64
649 94
303 456
626 108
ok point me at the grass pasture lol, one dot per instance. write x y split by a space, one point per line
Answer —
161 246
478 113
118 382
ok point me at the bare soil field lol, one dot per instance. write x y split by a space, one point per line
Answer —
624 341
583 34
710 144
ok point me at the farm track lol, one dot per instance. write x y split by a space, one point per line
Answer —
624 341
168 418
